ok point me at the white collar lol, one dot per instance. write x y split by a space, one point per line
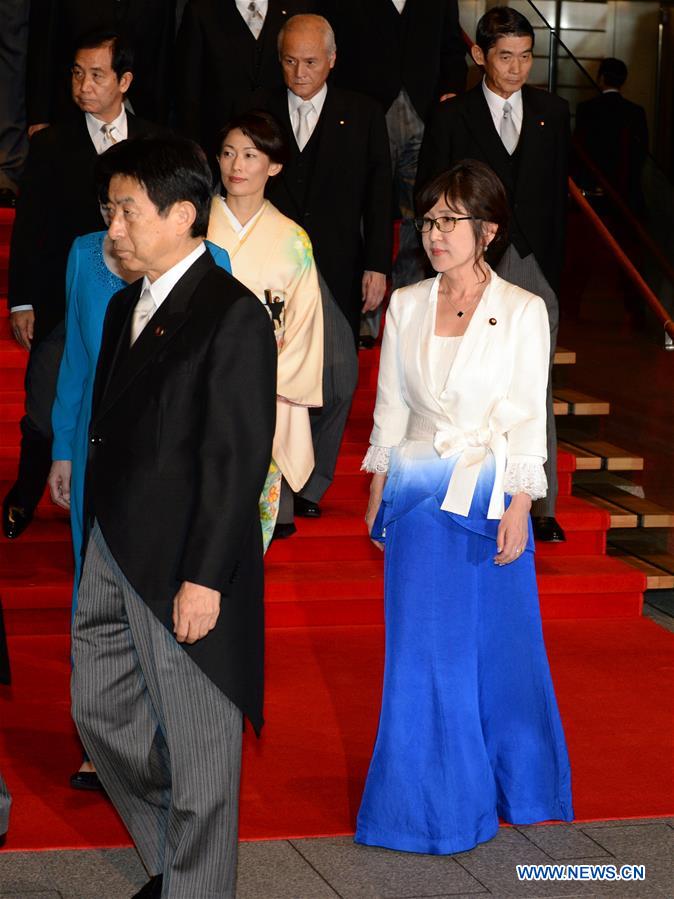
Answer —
94 125
294 102
496 103
238 228
163 286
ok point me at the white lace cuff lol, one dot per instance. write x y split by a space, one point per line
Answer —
376 459
526 477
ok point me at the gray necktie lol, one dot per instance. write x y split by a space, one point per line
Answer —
255 20
303 129
508 131
145 309
108 134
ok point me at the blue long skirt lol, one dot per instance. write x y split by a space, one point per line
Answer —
469 729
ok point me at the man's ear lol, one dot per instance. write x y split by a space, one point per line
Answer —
125 81
185 214
477 54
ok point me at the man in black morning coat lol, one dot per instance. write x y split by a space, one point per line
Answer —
337 186
224 52
523 134
61 162
168 633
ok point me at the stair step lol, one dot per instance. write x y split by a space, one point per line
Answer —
620 518
594 454
580 403
649 514
658 567
564 357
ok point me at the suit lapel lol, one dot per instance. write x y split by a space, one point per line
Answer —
126 364
533 131
334 124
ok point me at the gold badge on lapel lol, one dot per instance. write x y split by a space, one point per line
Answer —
342 122
159 331
541 123
492 321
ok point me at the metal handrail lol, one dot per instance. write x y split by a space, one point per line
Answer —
626 263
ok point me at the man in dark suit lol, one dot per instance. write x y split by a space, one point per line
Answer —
614 133
61 161
57 26
13 142
406 54
226 50
523 134
337 179
168 633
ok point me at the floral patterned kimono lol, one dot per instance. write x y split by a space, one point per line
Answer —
273 257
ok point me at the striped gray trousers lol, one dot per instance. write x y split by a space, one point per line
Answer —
165 741
526 273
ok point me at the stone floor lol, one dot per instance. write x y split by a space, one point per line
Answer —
338 869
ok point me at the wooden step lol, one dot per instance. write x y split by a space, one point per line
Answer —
592 455
581 403
649 514
564 357
657 566
620 518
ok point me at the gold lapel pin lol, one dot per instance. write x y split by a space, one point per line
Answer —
342 122
541 123
159 331
492 321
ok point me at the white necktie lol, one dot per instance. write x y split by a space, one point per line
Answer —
255 21
508 131
303 129
108 137
145 309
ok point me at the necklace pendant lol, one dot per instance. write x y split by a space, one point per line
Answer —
459 314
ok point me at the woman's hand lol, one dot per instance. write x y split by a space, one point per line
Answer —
59 482
513 530
376 491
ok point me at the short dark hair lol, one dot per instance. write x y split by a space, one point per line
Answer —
120 49
170 169
263 129
476 188
502 21
613 71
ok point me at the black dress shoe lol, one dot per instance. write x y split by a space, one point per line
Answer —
15 520
548 530
283 530
366 342
151 890
85 780
306 508
7 198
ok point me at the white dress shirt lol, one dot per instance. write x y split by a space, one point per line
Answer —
261 6
399 5
317 101
495 104
119 129
163 286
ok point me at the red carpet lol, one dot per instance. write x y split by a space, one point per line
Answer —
324 613
304 776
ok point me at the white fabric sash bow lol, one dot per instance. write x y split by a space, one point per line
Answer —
473 447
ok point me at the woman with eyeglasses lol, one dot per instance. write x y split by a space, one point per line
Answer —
469 730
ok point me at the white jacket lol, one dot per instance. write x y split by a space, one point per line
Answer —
493 400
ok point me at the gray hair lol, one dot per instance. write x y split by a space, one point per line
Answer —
311 21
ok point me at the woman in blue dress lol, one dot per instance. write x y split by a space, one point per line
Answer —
93 276
469 729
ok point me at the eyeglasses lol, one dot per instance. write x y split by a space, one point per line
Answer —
444 223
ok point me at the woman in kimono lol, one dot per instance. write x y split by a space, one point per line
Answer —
272 256
469 729
94 274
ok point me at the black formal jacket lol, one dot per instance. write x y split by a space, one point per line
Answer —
535 177
614 133
180 444
55 25
380 51
349 185
219 62
57 203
